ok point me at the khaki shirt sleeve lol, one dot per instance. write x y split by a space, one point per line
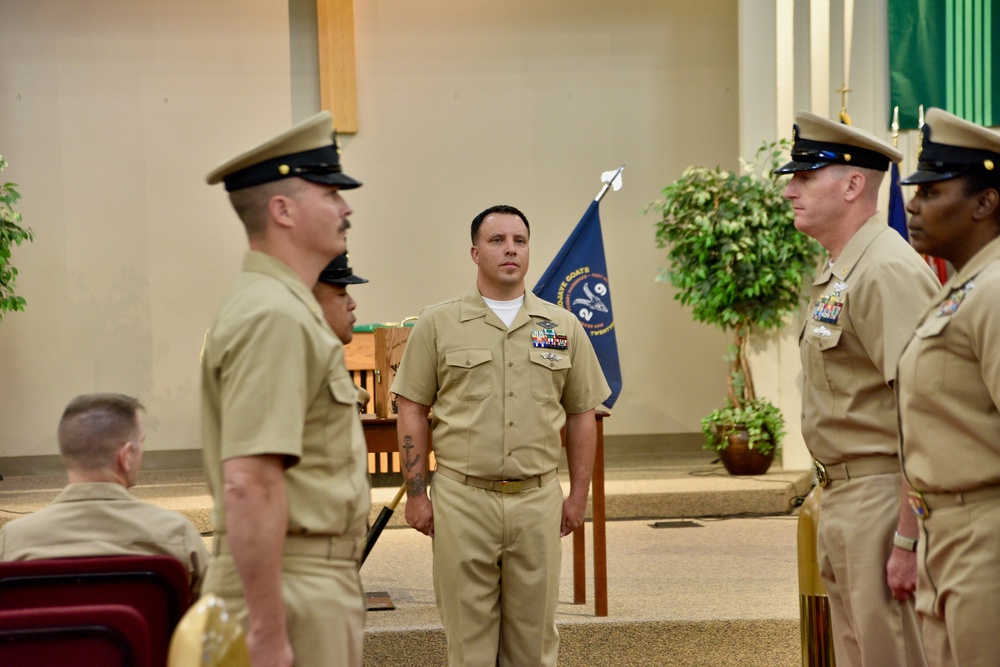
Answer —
586 387
885 311
985 334
416 379
199 557
263 389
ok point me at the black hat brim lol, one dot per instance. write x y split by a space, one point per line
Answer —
346 280
340 179
794 166
923 176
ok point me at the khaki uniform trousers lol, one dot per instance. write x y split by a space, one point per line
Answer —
324 606
870 627
496 573
958 589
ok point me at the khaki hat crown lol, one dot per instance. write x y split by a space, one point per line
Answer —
339 272
819 142
308 150
951 146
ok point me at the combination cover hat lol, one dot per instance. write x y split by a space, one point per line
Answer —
951 146
308 151
819 142
338 272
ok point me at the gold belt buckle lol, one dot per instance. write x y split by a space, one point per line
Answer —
822 479
918 504
511 486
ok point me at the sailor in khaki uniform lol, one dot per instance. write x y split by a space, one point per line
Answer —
101 440
864 303
949 394
503 371
284 450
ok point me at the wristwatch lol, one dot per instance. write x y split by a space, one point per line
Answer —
907 543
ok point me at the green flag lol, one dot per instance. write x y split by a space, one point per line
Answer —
941 54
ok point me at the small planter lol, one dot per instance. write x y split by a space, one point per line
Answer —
739 459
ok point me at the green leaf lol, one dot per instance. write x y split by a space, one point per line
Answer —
11 234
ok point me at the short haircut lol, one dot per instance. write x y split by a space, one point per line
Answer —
980 181
250 203
94 426
873 177
499 208
977 181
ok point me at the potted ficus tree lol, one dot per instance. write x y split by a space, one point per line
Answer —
737 260
11 234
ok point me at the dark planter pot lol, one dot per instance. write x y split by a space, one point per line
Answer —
739 459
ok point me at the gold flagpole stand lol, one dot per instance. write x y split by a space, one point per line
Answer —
814 605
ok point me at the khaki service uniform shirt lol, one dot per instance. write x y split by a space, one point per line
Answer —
862 312
949 383
274 381
104 519
499 402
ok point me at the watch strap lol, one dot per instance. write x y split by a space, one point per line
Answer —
905 543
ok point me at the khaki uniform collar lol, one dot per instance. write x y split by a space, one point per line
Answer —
853 251
473 307
987 254
258 262
93 491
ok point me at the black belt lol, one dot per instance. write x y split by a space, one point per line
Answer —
498 485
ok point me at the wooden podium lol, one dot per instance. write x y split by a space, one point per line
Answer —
380 434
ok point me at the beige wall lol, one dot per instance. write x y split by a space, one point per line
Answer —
112 112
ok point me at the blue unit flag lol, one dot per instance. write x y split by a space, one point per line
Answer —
897 214
577 280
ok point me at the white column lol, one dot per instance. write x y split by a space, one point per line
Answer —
767 79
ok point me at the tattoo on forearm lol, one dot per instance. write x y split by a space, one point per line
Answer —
408 459
416 486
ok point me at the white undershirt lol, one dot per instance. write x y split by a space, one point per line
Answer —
505 310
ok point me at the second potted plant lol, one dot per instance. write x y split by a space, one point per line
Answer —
737 260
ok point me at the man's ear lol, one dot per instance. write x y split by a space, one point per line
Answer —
854 186
474 253
123 456
281 208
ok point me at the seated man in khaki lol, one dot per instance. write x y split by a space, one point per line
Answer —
100 439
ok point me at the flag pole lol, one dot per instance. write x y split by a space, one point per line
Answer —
607 183
895 127
845 118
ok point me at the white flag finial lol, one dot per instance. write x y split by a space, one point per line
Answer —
612 179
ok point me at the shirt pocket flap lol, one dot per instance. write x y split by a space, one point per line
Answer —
555 362
822 336
468 358
932 327
343 389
